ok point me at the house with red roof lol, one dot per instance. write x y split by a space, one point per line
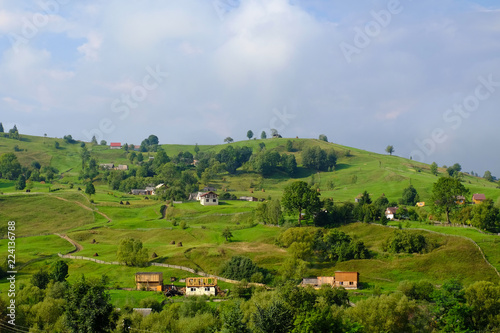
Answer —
115 145
478 198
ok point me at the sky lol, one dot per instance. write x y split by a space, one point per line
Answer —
423 76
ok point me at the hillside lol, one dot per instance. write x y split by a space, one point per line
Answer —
98 225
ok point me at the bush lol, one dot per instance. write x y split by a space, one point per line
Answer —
404 241
239 268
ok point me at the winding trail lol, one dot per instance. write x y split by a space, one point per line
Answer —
85 207
77 246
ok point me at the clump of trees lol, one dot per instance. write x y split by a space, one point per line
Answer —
403 241
239 268
131 252
270 212
319 159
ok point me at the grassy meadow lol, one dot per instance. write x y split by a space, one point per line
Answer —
100 225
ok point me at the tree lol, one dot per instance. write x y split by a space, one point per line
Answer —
289 146
434 168
40 279
263 135
131 252
389 149
153 140
485 215
226 233
299 197
239 268
319 159
454 169
483 299
196 149
228 139
94 140
21 183
323 137
249 134
1 128
488 176
103 143
277 317
10 168
59 271
444 194
56 145
88 307
90 189
410 196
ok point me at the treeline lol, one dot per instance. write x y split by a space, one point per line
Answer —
417 306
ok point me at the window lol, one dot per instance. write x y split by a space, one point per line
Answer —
193 289
341 283
351 283
207 289
215 200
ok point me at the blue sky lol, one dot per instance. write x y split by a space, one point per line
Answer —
423 76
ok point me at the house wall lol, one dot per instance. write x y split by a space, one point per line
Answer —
348 280
200 291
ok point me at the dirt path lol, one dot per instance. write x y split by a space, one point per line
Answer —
77 246
85 207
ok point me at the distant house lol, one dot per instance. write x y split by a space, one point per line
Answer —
122 167
478 198
249 198
358 198
460 200
138 192
149 281
421 204
209 188
195 196
151 190
198 286
390 212
347 280
209 199
107 166
115 145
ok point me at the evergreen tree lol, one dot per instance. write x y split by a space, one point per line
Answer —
1 128
21 183
263 135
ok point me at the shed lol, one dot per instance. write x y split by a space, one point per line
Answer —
149 281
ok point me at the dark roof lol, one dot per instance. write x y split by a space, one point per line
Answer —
208 193
392 210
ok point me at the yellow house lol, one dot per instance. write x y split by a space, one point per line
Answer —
421 204
478 198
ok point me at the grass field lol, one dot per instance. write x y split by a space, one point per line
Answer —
100 225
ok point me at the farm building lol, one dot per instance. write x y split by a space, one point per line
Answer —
209 199
107 166
149 281
461 200
115 145
198 286
123 167
390 212
249 198
478 198
347 280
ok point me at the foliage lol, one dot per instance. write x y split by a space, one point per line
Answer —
226 233
266 162
88 307
59 271
40 279
299 197
289 146
263 135
418 290
232 318
10 168
389 149
410 196
483 300
405 241
239 268
444 194
323 137
21 183
485 215
131 252
318 159
89 188
454 170
228 139
249 134
434 168
275 318
487 175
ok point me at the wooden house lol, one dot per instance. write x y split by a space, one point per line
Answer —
149 281
198 286
478 198
348 280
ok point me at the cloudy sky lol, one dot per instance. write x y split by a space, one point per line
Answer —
423 75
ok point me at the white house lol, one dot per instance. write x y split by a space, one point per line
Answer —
199 286
390 211
209 199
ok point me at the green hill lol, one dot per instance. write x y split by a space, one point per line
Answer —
60 207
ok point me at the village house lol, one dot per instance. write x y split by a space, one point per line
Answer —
478 198
209 199
390 212
421 204
199 286
461 200
122 167
107 166
249 198
146 191
152 281
115 145
347 280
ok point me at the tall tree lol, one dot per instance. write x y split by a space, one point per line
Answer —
228 139
249 134
263 135
323 137
410 196
299 197
488 176
132 253
88 307
59 271
90 189
10 168
196 149
444 194
389 149
434 168
94 140
1 128
21 183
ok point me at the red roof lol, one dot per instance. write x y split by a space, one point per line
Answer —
115 144
479 196
208 193
391 210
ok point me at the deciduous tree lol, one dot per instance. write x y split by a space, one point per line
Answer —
263 135
299 197
249 134
444 194
434 168
389 149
